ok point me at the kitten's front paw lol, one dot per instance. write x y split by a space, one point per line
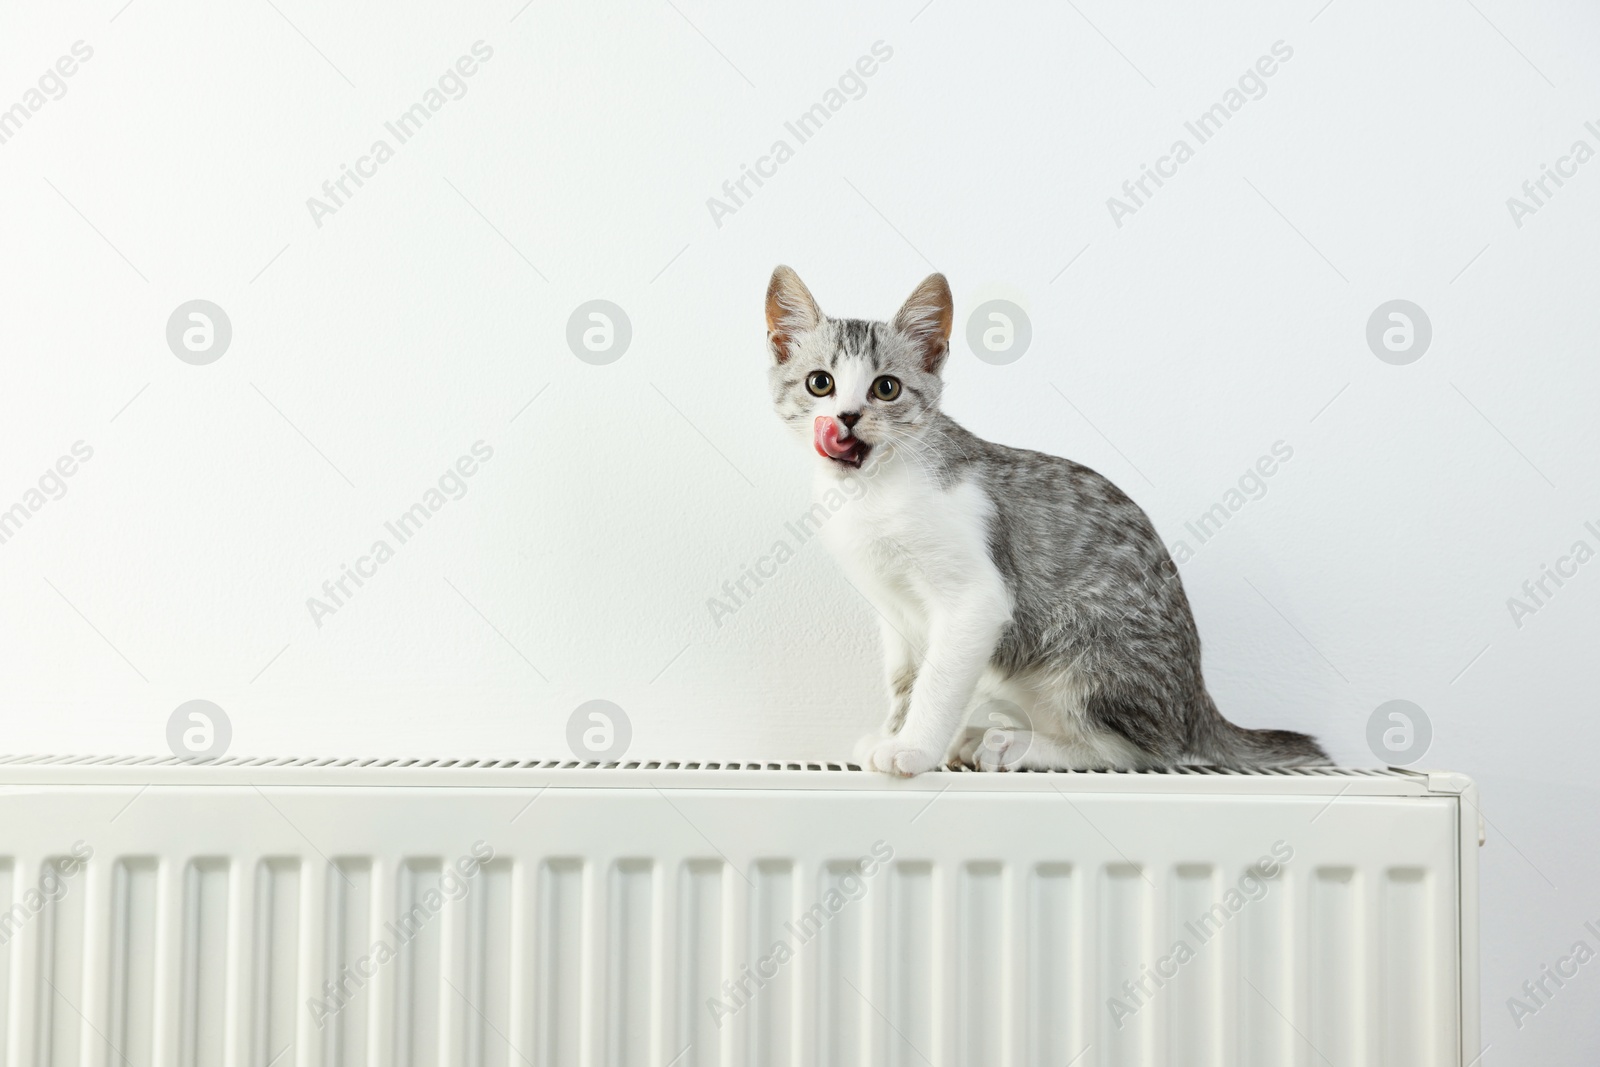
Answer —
895 756
861 755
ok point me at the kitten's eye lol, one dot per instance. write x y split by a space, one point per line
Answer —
820 383
886 388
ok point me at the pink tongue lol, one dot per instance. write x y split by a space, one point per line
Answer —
826 437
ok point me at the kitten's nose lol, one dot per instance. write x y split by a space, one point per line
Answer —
849 418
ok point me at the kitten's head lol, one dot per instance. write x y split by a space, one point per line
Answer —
851 387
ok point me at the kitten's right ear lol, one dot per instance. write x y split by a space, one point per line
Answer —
790 310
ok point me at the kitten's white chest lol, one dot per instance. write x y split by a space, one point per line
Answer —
881 528
917 540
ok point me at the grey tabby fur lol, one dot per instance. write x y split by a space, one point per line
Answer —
1098 619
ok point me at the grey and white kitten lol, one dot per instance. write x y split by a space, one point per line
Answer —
999 574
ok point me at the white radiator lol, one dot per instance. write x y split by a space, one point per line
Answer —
321 913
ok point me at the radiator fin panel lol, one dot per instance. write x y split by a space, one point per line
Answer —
481 1003
632 963
414 929
983 954
769 978
276 957
560 953
345 993
1338 1025
204 972
59 993
1127 903
703 1003
1407 997
1056 990
911 1003
1269 994
1190 960
839 932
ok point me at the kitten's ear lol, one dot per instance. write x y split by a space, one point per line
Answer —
926 318
790 310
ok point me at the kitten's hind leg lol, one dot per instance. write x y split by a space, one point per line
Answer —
963 750
1009 749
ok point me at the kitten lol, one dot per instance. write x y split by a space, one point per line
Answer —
999 574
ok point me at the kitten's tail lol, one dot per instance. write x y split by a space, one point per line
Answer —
1228 745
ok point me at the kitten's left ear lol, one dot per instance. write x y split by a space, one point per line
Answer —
926 318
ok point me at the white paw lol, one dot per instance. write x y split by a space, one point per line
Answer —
862 753
995 749
894 755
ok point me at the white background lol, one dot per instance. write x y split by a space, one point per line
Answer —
1227 314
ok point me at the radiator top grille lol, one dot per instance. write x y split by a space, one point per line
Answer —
488 764
487 772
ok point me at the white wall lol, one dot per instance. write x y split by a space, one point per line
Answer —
369 352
